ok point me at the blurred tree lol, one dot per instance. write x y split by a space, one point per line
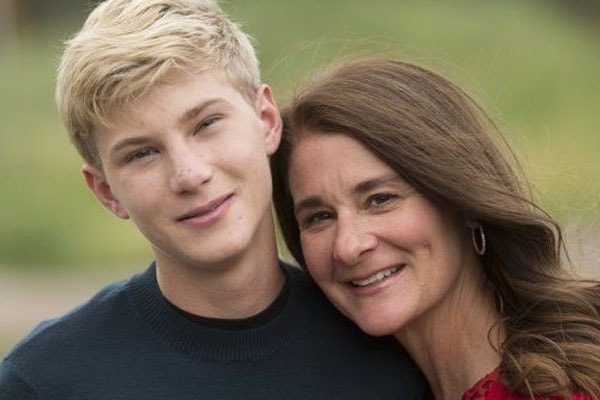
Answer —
588 10
19 16
41 10
8 21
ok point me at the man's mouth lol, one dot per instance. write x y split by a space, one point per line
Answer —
205 209
378 277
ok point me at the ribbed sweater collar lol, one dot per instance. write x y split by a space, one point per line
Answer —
219 345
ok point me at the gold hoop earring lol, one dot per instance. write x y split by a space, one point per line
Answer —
499 302
478 243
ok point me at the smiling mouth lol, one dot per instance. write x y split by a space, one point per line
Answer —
207 210
378 277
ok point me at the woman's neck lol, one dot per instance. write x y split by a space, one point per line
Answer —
451 343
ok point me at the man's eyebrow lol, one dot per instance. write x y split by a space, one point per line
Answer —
188 115
192 112
370 184
132 141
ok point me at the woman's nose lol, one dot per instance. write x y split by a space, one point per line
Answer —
353 240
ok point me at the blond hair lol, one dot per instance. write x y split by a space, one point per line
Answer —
127 47
438 139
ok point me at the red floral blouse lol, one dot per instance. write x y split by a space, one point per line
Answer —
490 388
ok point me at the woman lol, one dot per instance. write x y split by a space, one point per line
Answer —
394 189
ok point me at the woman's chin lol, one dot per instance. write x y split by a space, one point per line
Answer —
375 326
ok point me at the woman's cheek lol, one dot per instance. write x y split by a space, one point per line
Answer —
315 255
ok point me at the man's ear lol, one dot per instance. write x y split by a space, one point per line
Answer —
96 181
267 111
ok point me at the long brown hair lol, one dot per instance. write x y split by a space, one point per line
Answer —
437 138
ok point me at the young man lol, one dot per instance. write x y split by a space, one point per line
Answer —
163 100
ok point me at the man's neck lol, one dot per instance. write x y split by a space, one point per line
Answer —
239 288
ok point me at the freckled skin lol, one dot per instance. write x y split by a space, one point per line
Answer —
184 164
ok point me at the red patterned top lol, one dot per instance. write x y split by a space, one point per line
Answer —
490 388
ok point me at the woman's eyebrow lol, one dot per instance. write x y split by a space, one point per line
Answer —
370 184
315 201
308 202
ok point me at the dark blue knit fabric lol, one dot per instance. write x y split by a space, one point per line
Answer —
127 342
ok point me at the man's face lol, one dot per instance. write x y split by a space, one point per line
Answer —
188 163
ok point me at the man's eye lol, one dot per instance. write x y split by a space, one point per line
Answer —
315 218
207 122
139 154
381 199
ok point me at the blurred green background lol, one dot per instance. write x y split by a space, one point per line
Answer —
534 64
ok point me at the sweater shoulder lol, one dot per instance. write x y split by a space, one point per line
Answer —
13 385
82 321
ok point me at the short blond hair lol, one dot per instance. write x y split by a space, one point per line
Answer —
127 47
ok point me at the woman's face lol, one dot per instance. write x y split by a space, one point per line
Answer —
381 252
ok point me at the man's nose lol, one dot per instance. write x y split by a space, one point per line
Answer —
191 170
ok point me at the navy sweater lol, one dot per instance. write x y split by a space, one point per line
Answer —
128 342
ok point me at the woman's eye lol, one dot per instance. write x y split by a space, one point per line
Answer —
315 218
381 199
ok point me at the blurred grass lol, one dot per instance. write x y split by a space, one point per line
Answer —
533 66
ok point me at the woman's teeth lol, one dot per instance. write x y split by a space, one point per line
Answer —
378 277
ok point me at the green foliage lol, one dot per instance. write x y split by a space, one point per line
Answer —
533 66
